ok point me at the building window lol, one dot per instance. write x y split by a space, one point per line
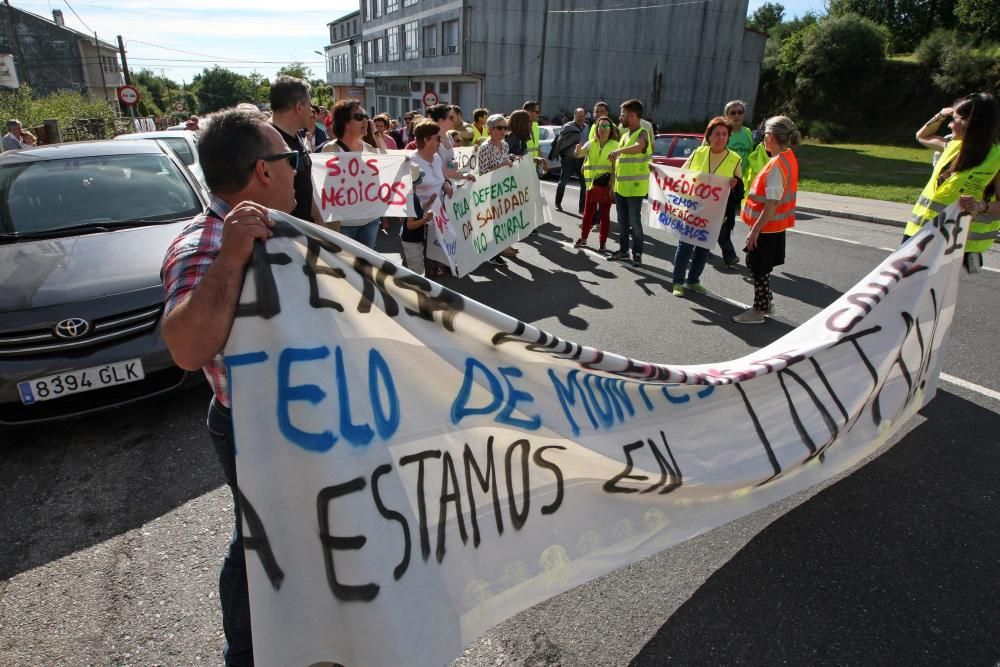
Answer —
369 11
450 37
392 43
358 65
378 8
411 49
430 40
409 3
415 87
370 51
391 6
379 49
443 87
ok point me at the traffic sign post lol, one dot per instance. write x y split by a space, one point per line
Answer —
430 98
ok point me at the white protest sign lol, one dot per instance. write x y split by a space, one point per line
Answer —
416 467
691 205
362 186
466 160
486 216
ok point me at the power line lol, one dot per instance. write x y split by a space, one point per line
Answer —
190 53
627 9
78 17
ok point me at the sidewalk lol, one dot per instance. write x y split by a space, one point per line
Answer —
854 208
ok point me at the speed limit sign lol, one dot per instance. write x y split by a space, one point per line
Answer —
128 95
430 98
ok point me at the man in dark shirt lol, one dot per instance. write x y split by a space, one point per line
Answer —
291 111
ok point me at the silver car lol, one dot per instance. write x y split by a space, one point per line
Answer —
183 142
82 237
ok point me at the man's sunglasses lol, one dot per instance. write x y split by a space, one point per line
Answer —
291 156
359 116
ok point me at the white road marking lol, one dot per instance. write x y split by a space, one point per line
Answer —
950 379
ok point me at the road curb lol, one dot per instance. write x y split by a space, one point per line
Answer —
862 217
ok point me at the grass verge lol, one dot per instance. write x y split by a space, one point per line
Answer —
888 173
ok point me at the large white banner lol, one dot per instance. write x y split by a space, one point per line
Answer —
485 216
362 186
416 467
691 205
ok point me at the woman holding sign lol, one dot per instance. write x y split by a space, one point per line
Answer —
427 135
716 159
770 210
350 126
598 177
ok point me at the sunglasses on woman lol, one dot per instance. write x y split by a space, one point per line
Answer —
359 116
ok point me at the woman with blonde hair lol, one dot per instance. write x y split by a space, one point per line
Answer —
770 210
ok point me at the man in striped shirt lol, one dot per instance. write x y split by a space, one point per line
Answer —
249 169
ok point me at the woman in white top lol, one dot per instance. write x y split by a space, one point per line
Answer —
350 125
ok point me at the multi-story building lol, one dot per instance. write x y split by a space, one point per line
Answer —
683 60
51 57
344 64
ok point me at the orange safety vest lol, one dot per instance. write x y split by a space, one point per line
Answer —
784 215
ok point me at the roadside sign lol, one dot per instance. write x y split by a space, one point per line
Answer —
179 106
128 95
430 98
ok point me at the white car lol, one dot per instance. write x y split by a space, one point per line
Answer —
184 143
546 135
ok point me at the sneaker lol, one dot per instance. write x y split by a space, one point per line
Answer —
697 288
580 243
637 261
678 290
750 316
770 311
559 207
618 256
497 261
602 250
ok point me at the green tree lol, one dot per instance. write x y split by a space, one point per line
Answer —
767 17
296 69
838 68
220 88
908 21
979 17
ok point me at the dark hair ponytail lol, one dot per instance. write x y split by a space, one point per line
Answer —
983 123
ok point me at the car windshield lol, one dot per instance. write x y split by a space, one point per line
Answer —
99 191
661 145
685 146
182 148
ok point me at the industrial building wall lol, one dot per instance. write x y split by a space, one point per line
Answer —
684 61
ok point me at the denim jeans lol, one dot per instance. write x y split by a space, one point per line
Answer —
629 224
234 594
363 234
568 168
726 233
684 253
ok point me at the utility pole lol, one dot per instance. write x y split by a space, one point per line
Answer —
121 51
541 57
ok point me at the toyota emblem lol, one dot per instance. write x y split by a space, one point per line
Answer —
74 327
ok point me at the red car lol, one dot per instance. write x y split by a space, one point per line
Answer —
674 149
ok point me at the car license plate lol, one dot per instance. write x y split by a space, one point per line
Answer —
75 382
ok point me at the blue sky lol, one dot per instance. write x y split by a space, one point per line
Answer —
181 37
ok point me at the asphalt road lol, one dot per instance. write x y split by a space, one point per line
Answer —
113 526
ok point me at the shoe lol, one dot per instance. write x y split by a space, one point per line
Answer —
732 263
770 311
678 290
637 261
559 207
750 316
509 251
618 256
602 250
580 243
697 288
497 261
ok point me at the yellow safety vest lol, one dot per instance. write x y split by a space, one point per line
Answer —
700 162
936 198
533 144
597 161
632 170
479 137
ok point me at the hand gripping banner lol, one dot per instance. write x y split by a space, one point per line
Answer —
415 467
